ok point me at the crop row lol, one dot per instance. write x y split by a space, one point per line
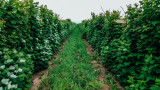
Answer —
29 36
129 50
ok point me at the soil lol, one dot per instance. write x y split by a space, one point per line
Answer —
99 66
38 77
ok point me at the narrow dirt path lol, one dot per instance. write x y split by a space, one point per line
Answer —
99 66
38 77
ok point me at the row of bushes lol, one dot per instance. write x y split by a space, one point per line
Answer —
29 36
130 51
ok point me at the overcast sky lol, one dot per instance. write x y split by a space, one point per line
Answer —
78 10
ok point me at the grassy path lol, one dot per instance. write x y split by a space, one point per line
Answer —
73 69
38 77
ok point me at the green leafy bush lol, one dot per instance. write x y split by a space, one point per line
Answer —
144 38
27 27
132 52
101 29
15 69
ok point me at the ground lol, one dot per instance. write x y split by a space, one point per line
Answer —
75 66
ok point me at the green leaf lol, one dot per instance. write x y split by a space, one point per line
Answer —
144 36
126 63
155 22
145 68
157 81
13 22
9 13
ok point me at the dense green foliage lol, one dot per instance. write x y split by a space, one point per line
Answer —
131 52
73 68
29 37
102 27
15 69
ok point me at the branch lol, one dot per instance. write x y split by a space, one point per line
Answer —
102 9
123 10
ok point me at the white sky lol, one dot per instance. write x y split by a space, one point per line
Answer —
78 10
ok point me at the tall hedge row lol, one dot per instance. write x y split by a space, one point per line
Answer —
130 51
29 36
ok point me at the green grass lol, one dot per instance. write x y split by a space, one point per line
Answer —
111 82
73 69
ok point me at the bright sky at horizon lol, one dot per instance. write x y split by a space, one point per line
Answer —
78 10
